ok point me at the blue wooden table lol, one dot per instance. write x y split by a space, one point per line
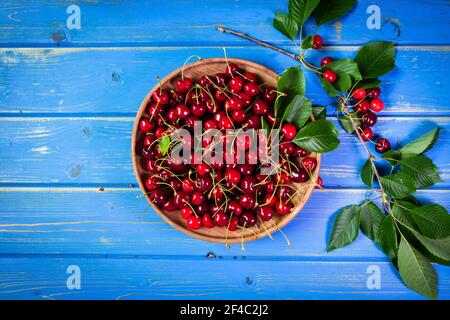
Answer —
68 98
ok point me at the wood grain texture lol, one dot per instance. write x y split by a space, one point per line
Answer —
192 23
97 150
72 80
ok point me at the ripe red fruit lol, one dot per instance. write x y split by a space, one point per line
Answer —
233 224
376 105
194 223
247 219
245 98
270 94
221 219
232 176
182 111
359 93
309 164
299 175
325 61
251 88
373 93
382 145
198 109
319 183
234 103
250 77
236 83
158 197
265 213
184 84
186 212
248 184
148 140
203 169
361 106
239 116
369 118
234 207
197 198
260 107
231 69
208 221
330 76
366 134
247 201
188 185
151 183
220 95
283 208
317 42
145 125
161 97
289 131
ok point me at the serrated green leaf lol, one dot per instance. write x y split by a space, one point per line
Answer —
319 113
329 88
401 210
329 10
318 136
298 111
375 59
369 83
422 170
433 220
398 185
346 227
291 83
346 124
416 271
286 25
421 144
307 43
164 144
387 237
371 219
300 10
392 156
439 248
344 66
343 83
367 174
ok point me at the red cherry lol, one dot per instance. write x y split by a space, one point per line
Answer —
188 185
270 94
233 224
209 124
220 79
369 118
299 175
366 133
182 111
197 198
260 107
325 61
373 93
376 105
330 76
359 93
289 131
203 169
382 145
319 183
248 184
161 97
266 213
239 116
151 183
186 212
181 198
234 103
245 98
148 140
300 152
236 83
247 201
208 221
221 219
183 85
169 205
231 69
198 109
203 183
283 208
361 106
232 176
158 197
220 95
194 223
253 122
270 200
250 77
317 42
247 219
145 125
309 164
251 88
234 207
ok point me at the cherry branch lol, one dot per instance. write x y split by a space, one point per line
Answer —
342 103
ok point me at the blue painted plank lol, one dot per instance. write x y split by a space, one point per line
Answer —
45 278
192 23
97 151
73 81
113 222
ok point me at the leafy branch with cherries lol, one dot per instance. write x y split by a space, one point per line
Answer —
411 234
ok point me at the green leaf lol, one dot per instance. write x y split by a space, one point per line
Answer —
421 144
392 156
387 237
164 144
439 248
416 271
318 136
307 42
369 83
371 219
286 25
402 212
433 220
319 113
398 185
422 170
346 124
291 83
375 59
343 83
329 88
300 10
367 174
344 66
329 10
298 111
346 227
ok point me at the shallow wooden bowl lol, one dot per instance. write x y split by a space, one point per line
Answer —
216 234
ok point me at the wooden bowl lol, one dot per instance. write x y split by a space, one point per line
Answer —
217 234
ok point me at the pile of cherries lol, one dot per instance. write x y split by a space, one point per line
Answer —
231 195
366 103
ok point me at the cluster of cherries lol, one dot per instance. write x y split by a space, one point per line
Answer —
214 193
366 104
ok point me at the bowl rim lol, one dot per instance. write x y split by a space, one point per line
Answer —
268 231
